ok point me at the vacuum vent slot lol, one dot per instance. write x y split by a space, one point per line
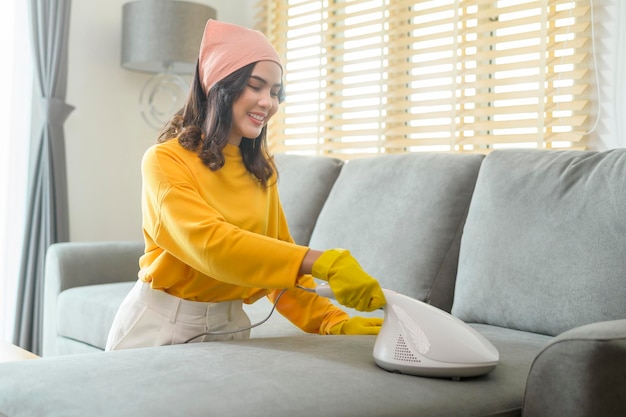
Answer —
402 352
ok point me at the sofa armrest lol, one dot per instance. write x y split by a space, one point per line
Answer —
580 373
76 264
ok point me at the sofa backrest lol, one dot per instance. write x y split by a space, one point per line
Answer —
304 184
401 217
544 245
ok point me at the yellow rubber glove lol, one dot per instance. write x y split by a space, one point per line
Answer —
352 286
358 325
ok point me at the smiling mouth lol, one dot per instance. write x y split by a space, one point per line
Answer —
257 117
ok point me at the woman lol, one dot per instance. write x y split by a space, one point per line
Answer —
213 225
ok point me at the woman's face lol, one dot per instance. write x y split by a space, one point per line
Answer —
257 103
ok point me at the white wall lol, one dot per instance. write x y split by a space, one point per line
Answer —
106 135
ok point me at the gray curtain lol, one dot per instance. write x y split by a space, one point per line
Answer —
47 216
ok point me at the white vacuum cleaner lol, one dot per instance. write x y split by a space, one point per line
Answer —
419 339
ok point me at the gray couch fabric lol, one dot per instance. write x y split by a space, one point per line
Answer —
99 303
76 266
585 362
536 236
304 183
294 376
399 215
543 245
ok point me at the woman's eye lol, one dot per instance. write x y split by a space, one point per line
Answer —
254 87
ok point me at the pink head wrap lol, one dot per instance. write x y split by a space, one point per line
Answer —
225 48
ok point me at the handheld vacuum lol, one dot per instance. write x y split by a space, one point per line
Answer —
417 338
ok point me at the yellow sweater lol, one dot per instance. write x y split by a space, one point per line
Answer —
221 235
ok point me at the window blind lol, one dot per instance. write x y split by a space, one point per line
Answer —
389 76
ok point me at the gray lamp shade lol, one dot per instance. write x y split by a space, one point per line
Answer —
162 35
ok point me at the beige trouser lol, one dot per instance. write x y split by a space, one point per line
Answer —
150 317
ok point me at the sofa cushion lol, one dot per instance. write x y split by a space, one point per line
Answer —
401 216
293 376
304 183
78 264
86 313
543 246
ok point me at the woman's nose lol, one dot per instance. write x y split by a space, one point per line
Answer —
266 99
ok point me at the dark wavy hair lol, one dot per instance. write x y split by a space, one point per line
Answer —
203 124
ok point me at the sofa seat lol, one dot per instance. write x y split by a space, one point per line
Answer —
99 303
298 376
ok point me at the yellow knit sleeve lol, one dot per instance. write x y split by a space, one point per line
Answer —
308 311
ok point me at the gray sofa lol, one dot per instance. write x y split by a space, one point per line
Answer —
529 247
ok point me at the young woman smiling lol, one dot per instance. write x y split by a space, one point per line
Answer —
214 229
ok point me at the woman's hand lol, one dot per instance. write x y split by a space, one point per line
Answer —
358 325
352 286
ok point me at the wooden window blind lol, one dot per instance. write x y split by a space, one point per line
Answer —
389 76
